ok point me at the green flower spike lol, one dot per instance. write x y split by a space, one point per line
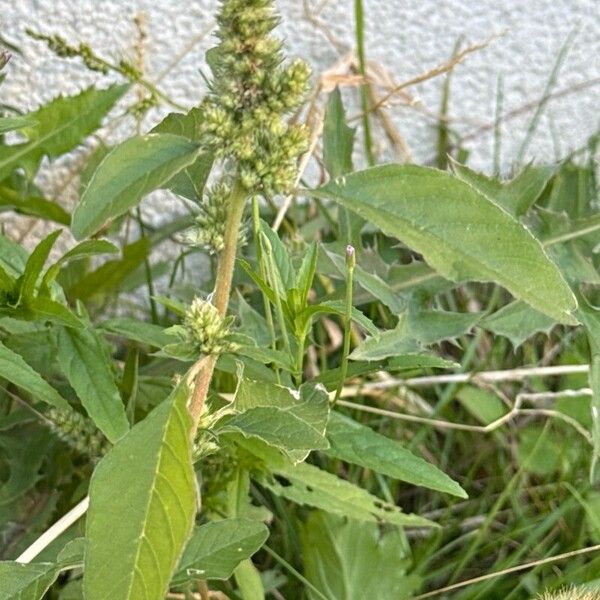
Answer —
250 94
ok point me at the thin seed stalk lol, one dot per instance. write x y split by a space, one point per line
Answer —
205 366
350 262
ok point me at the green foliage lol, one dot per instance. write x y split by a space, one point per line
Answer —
344 558
154 160
217 548
59 127
214 382
152 470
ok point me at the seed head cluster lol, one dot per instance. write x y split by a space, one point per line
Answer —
78 432
205 329
208 231
250 94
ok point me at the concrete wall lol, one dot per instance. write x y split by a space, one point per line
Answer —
407 37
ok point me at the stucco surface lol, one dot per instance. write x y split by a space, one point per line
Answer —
407 37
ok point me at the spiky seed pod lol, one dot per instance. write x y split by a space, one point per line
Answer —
206 330
250 94
209 229
78 432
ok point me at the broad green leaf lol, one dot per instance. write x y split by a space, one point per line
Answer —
338 143
354 443
190 181
352 560
81 250
308 485
110 276
338 138
484 405
26 582
139 331
434 326
460 233
35 206
61 126
14 369
142 507
392 343
44 309
516 196
217 548
35 264
15 123
129 172
249 582
293 422
518 322
83 362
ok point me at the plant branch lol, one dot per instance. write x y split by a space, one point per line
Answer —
205 366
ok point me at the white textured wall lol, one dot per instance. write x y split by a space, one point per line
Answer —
406 36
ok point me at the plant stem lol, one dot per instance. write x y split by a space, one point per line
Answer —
364 89
347 322
205 366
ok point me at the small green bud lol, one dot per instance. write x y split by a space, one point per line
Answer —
206 330
350 257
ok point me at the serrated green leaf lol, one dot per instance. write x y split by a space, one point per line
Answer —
15 123
146 486
459 231
516 196
308 485
293 423
354 443
83 362
217 548
61 126
14 369
518 322
127 173
343 558
434 326
26 582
